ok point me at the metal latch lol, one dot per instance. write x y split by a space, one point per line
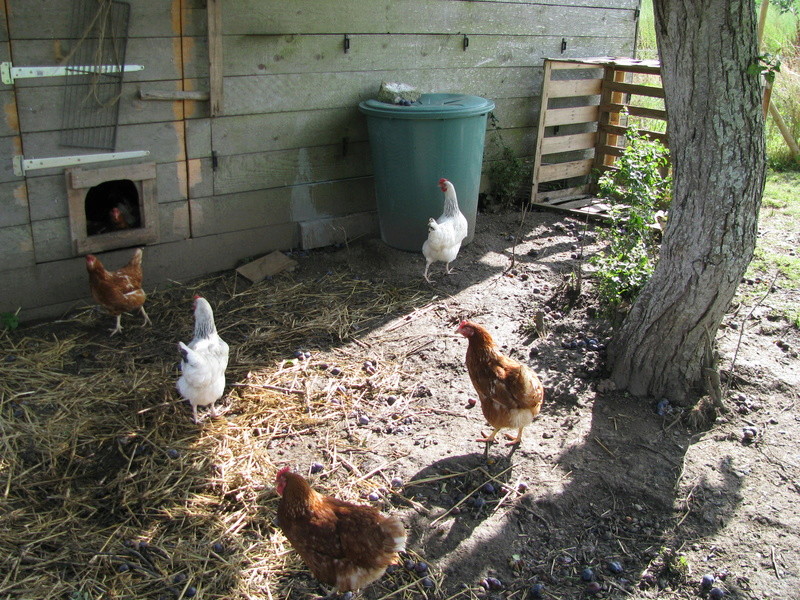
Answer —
9 73
22 166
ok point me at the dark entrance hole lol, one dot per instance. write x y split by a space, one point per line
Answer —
112 206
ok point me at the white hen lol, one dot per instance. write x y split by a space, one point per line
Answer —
204 361
446 233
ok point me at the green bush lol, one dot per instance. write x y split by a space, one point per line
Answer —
639 187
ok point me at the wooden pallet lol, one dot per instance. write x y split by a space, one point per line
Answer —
581 129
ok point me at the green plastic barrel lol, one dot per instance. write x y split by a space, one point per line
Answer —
440 135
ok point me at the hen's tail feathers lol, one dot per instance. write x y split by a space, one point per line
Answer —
396 534
136 259
184 350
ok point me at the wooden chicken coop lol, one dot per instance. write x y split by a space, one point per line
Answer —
586 104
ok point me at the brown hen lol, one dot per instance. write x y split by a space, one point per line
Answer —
118 291
511 394
343 544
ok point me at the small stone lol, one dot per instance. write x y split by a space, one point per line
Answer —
316 467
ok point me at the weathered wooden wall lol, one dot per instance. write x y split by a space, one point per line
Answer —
290 145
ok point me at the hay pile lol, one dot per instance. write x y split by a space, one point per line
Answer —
108 490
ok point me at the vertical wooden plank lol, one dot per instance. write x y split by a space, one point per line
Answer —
214 8
537 161
600 158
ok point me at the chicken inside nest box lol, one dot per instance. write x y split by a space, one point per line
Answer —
439 136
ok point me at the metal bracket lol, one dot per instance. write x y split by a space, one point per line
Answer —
9 73
465 42
22 166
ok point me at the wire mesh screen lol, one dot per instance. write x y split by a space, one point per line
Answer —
93 83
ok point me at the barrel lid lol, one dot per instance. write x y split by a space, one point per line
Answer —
430 106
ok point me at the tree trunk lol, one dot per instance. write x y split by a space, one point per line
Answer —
716 138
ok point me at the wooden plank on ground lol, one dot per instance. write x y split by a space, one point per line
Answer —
267 266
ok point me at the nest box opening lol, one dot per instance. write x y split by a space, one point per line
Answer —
112 207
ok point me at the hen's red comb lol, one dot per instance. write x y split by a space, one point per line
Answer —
283 471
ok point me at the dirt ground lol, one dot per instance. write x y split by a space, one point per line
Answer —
608 496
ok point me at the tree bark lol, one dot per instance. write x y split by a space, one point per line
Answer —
664 347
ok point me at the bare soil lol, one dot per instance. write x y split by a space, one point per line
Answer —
601 477
603 481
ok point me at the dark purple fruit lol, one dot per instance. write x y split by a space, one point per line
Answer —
488 488
397 482
421 567
615 567
593 587
428 582
494 583
190 592
716 593
123 568
218 547
363 420
373 496
587 574
316 467
179 578
537 591
173 453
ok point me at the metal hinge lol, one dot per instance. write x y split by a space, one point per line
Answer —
22 166
9 73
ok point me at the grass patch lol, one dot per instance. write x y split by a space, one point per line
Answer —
776 255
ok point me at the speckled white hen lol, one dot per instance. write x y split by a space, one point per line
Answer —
446 233
203 361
